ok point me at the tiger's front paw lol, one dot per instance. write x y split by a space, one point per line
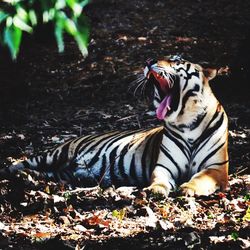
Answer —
158 189
191 189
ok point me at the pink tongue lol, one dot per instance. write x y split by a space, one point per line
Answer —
163 108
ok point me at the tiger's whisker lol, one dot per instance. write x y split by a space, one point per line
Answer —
137 80
135 83
139 85
143 89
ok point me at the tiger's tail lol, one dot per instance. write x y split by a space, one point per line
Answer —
52 165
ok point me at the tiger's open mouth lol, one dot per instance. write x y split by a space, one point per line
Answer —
166 90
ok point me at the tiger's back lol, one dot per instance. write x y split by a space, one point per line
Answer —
119 158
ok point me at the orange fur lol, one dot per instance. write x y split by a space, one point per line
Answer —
208 180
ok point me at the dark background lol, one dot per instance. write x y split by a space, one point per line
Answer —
46 97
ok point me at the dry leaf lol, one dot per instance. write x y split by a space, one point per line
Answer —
151 219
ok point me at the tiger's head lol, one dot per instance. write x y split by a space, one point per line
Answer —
181 89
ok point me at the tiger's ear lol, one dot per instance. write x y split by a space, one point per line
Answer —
210 73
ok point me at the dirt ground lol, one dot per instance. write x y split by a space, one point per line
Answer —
47 97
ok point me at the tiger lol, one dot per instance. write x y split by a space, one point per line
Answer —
188 152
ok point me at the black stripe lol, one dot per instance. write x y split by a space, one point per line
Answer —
121 166
86 142
62 157
189 75
132 171
206 136
166 153
200 144
215 143
157 138
81 140
217 164
193 125
198 121
112 160
178 136
177 127
99 141
210 155
157 99
109 143
55 157
185 98
182 147
103 171
161 165
144 165
175 92
210 130
43 162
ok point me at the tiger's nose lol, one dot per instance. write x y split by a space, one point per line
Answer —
150 62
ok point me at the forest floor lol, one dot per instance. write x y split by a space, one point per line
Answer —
47 98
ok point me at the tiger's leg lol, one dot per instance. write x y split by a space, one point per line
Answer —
207 181
161 181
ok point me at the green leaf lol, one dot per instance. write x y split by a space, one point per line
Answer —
210 215
234 235
22 13
115 213
3 16
84 3
9 21
82 36
59 35
119 214
59 39
27 17
82 42
75 6
247 197
70 27
32 17
70 3
12 37
247 215
60 4
19 23
45 16
49 15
